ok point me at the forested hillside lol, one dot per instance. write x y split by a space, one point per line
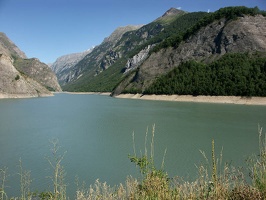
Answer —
239 32
92 75
186 42
232 75
229 13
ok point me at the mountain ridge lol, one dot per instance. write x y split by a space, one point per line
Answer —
88 72
22 77
133 62
244 34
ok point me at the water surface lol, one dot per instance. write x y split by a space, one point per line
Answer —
96 133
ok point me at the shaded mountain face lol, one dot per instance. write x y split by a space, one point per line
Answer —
94 61
89 73
134 59
62 66
245 34
22 77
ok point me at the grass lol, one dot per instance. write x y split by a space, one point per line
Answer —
215 179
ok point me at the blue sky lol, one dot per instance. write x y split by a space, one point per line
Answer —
47 29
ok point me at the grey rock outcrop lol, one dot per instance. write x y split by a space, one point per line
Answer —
13 84
137 60
9 47
99 59
21 77
62 66
246 34
39 72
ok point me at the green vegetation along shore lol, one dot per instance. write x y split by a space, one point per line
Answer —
236 74
215 180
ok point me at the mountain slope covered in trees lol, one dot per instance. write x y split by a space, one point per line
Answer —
237 74
92 73
135 61
228 30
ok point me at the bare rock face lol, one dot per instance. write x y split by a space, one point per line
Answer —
137 59
13 84
10 47
95 61
22 77
39 72
246 34
63 64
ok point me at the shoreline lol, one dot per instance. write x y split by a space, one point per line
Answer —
174 98
81 93
198 99
23 96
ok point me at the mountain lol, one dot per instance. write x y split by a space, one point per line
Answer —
22 77
94 62
104 67
63 64
170 15
9 47
133 62
229 30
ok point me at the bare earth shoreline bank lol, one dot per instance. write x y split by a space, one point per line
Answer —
199 99
22 96
177 98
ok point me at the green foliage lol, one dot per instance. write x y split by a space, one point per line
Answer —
25 182
17 77
155 184
258 165
237 74
132 90
50 88
3 177
103 82
213 182
130 44
229 13
173 35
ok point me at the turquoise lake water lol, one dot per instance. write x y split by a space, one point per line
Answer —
95 133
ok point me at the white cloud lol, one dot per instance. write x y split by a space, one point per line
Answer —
209 10
179 8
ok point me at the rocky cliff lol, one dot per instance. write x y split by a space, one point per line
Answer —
63 64
97 60
103 68
22 77
245 34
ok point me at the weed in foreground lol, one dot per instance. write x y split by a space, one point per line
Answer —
215 180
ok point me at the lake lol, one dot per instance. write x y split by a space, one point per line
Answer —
95 133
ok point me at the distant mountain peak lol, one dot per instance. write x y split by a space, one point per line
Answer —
6 43
117 34
171 14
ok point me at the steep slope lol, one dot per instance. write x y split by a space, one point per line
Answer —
237 33
22 77
14 84
99 59
102 70
63 64
38 71
9 47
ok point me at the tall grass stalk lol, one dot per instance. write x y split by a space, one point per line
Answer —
215 180
58 178
258 165
3 177
25 182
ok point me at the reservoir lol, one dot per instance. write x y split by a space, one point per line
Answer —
95 136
